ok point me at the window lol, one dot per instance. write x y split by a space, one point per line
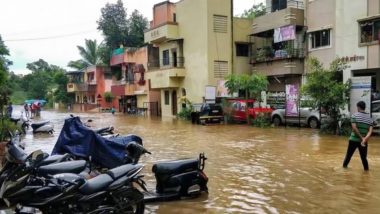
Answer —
174 17
242 49
108 76
320 38
220 24
278 5
165 57
167 97
220 69
369 31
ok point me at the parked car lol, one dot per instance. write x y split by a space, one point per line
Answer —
239 106
376 115
207 113
308 116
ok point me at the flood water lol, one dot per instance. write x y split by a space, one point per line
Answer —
250 170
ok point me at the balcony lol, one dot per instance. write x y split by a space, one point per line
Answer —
167 73
162 33
76 87
292 15
130 89
267 54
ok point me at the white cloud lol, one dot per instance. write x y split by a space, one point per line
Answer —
20 19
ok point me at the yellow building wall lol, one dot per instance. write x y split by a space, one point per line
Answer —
219 44
192 27
241 29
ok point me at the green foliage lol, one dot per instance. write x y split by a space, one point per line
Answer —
185 113
7 126
77 64
108 97
118 30
5 91
60 93
326 88
251 84
18 97
262 120
255 11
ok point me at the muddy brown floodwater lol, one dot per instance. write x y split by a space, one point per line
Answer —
250 170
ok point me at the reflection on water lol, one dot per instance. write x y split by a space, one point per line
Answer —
251 170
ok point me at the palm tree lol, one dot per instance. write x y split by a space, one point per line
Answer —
91 54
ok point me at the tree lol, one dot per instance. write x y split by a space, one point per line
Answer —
252 85
77 64
42 72
60 93
137 24
90 53
254 12
120 30
113 23
4 63
326 88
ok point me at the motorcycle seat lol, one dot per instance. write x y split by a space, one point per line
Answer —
39 124
120 171
175 167
68 167
15 120
55 159
96 184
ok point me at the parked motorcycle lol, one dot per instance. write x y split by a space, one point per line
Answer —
175 179
110 192
38 127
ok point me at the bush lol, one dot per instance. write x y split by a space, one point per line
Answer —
262 120
7 126
185 113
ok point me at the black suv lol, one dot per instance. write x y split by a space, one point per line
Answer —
207 113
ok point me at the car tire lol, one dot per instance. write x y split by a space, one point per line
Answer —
276 120
313 123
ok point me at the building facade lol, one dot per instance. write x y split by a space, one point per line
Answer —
130 88
89 86
196 49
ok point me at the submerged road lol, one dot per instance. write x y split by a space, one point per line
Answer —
251 170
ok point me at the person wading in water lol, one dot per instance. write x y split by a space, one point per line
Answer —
362 126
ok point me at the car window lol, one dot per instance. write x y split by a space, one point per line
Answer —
376 107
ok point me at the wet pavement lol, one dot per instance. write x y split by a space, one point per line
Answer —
251 170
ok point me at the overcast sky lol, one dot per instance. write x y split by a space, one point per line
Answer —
51 29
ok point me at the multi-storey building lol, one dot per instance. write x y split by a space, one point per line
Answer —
196 40
278 46
89 86
346 30
129 86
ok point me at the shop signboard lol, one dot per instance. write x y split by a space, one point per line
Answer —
360 91
292 94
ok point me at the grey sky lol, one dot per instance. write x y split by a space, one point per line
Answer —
58 26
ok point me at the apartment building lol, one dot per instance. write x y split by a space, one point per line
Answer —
346 30
199 44
88 86
131 91
278 47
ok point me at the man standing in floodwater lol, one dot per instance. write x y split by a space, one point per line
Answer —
362 126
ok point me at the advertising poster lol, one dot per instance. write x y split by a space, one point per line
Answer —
221 90
360 91
284 33
291 100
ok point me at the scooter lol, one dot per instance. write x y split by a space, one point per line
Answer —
175 179
38 127
110 192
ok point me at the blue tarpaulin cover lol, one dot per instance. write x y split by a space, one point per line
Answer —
81 141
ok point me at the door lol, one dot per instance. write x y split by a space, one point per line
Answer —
174 102
174 54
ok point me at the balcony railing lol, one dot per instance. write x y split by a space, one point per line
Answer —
178 62
267 54
280 6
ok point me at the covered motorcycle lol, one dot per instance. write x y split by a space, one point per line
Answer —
84 143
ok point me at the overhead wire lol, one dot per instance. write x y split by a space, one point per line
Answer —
49 37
